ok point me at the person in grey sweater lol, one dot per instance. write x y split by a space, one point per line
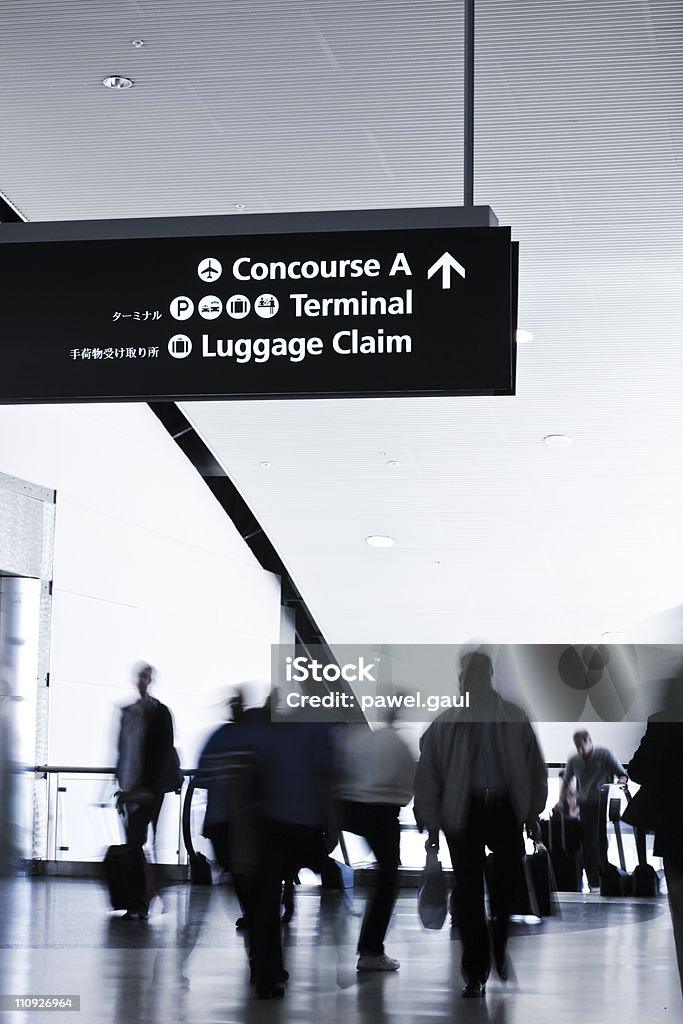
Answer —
377 772
481 774
591 768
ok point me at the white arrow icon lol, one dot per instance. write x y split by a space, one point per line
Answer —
445 264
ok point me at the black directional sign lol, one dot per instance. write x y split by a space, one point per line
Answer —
306 307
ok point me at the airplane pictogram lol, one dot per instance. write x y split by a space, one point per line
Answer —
210 269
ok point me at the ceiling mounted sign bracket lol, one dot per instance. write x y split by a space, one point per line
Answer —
468 122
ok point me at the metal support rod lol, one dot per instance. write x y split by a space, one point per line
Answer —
468 141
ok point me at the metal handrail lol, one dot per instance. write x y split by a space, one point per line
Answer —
53 777
184 825
46 769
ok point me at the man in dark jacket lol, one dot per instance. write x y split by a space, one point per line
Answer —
147 766
229 770
481 774
296 762
657 765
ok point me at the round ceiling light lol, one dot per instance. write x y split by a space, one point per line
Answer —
558 440
265 465
117 82
377 541
524 336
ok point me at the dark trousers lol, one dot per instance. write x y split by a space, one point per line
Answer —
286 849
378 824
673 869
137 825
139 820
243 871
593 853
494 825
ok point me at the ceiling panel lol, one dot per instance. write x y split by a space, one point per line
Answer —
276 105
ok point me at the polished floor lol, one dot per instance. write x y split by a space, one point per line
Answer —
595 961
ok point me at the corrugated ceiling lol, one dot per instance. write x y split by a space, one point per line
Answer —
299 105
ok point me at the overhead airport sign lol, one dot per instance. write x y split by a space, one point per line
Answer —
375 304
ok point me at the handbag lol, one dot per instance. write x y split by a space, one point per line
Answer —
171 777
643 810
432 901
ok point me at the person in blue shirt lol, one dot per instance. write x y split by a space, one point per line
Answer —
297 828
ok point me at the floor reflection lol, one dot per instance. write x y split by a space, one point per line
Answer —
188 963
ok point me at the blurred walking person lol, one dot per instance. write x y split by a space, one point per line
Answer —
229 771
480 776
657 765
296 765
147 768
377 774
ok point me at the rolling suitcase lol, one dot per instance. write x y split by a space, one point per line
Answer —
539 882
562 838
534 888
128 876
614 881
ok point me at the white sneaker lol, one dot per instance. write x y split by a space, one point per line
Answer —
377 963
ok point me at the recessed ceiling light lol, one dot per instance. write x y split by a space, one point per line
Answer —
393 463
117 82
377 541
613 636
240 206
558 440
265 465
524 336
138 43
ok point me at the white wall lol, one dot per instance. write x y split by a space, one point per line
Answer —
147 567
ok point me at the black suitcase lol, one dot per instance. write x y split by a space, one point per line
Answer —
562 838
614 881
539 882
645 881
533 895
128 877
